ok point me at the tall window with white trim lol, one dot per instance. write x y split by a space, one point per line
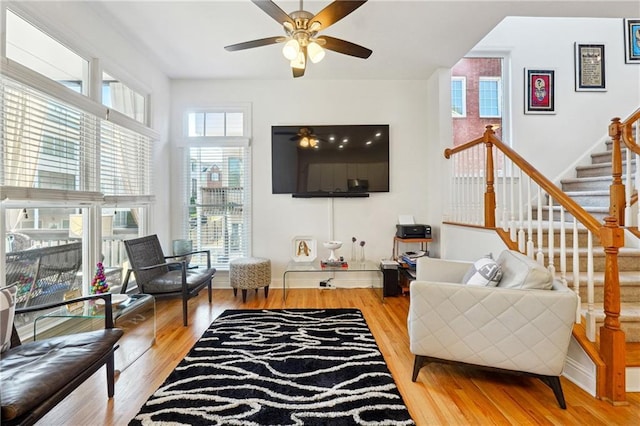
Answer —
217 184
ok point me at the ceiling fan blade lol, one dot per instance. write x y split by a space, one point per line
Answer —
335 12
273 10
345 47
254 43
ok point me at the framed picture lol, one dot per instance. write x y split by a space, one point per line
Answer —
539 91
632 41
304 249
590 66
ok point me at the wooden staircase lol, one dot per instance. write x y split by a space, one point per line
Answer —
590 189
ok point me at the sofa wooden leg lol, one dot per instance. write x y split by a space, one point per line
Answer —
418 362
235 292
244 295
554 383
266 292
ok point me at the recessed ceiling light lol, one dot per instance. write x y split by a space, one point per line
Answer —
345 140
378 134
368 142
340 146
332 138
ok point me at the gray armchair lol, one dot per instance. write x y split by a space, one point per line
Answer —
154 275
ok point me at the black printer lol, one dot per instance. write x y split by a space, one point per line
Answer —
413 231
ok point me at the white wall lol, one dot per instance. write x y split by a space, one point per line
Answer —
581 117
278 218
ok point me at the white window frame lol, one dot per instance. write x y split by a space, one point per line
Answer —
187 142
463 81
498 80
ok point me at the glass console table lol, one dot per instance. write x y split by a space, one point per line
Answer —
136 316
353 267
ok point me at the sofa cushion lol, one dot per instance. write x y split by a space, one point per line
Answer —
171 282
7 311
483 272
522 272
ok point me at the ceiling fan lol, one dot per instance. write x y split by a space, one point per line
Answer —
302 41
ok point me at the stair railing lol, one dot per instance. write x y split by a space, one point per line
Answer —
624 194
492 186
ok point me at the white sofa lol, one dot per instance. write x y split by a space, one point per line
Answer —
504 327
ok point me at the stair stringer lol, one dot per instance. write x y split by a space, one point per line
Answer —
584 160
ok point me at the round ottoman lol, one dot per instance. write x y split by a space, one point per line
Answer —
250 273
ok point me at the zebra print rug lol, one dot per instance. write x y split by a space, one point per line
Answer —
280 367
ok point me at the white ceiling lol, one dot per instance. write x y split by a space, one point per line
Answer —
409 39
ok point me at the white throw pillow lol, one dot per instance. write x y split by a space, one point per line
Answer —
484 272
7 311
522 272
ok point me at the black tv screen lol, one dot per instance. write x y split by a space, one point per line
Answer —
340 160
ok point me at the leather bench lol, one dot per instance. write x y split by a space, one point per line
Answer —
37 375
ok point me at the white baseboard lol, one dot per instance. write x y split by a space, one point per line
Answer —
580 369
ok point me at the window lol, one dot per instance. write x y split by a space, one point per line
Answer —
217 192
490 97
215 124
36 50
122 98
458 97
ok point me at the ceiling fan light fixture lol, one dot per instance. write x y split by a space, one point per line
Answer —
304 142
291 49
315 52
315 27
299 61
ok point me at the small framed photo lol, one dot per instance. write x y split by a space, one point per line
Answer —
304 249
539 91
590 66
632 41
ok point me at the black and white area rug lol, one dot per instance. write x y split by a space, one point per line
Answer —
280 367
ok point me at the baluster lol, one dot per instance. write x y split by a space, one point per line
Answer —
551 266
540 254
591 317
576 269
479 183
563 249
628 186
505 211
465 185
512 202
530 251
521 205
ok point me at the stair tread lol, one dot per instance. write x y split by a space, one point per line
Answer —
587 179
629 311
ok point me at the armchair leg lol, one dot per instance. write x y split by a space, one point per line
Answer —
554 383
210 284
244 295
110 366
185 321
418 362
266 292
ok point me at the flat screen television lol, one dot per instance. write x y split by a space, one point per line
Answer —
330 161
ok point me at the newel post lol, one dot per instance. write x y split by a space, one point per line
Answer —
489 194
616 189
612 338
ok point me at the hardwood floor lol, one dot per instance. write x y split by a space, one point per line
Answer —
442 395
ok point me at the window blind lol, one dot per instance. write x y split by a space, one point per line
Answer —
125 161
218 201
45 142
